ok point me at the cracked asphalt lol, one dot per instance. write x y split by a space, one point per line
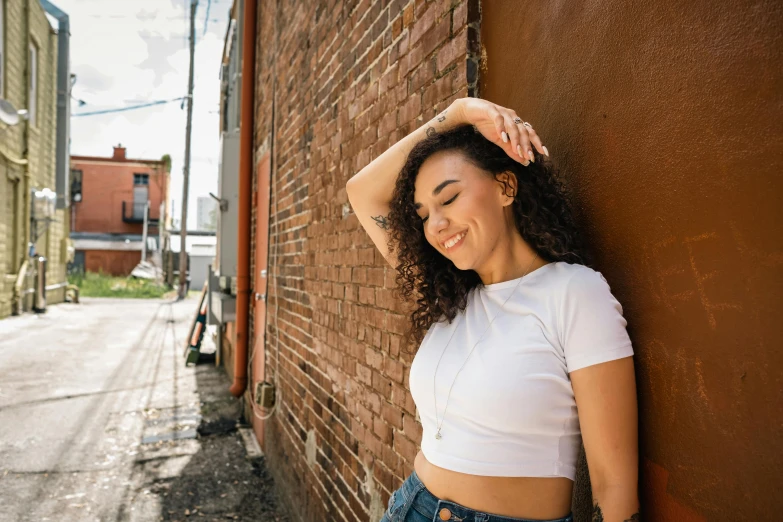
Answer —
100 420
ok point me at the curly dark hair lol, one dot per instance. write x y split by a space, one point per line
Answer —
541 210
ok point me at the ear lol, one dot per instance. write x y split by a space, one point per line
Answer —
507 182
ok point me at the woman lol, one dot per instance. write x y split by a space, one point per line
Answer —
516 331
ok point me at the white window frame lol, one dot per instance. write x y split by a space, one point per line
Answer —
32 102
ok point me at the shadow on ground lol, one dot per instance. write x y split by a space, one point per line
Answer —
200 470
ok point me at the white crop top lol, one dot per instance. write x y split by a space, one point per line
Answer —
512 411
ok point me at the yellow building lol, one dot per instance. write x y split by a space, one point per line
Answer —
33 152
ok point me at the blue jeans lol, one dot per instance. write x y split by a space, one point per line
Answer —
413 502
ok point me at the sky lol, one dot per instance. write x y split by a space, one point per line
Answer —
125 53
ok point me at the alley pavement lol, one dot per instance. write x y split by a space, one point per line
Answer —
100 420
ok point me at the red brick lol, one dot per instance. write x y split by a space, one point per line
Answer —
391 415
459 17
407 15
397 27
438 91
374 359
389 78
106 185
382 430
394 369
406 448
365 415
349 84
411 427
454 50
410 109
436 36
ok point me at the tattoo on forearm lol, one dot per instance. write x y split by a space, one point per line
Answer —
381 222
441 118
598 515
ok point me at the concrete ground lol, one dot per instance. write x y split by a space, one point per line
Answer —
100 420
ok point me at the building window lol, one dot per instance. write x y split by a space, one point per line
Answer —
32 102
140 194
76 185
2 48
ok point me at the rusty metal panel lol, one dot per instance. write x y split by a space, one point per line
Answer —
667 124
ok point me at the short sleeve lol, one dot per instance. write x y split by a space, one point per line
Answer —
592 327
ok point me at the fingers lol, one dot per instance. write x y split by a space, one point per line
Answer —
519 137
520 142
500 126
510 134
536 141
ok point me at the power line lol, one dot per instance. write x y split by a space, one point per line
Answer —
134 107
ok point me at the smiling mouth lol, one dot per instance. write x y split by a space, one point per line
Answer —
454 241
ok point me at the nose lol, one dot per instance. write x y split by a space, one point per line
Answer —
436 223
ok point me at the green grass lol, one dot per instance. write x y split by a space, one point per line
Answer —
101 285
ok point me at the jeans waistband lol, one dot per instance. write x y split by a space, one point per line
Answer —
429 505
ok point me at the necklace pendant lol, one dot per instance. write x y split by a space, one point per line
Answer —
437 435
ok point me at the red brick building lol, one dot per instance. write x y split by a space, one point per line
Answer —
110 196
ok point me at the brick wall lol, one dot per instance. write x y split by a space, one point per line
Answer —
112 262
43 147
12 144
105 185
39 149
346 80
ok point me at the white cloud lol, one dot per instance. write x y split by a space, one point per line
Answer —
130 52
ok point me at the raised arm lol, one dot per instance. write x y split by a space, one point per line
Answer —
370 190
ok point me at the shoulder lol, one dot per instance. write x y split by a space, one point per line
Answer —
578 285
574 279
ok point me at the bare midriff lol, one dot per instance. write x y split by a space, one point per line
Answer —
541 498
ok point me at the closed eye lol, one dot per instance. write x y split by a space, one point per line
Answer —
424 219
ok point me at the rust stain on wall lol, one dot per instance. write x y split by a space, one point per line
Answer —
659 504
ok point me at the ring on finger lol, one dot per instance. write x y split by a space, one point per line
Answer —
517 120
526 124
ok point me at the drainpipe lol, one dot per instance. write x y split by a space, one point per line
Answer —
246 127
62 165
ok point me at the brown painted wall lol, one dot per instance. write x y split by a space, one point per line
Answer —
667 124
112 262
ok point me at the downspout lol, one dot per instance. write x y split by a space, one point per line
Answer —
246 127
62 165
62 126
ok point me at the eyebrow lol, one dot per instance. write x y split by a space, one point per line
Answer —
438 190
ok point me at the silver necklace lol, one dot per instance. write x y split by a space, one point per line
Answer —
434 396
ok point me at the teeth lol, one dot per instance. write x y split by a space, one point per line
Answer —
453 241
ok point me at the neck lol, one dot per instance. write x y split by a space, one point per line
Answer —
511 259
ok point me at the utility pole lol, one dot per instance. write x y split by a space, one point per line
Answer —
183 227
